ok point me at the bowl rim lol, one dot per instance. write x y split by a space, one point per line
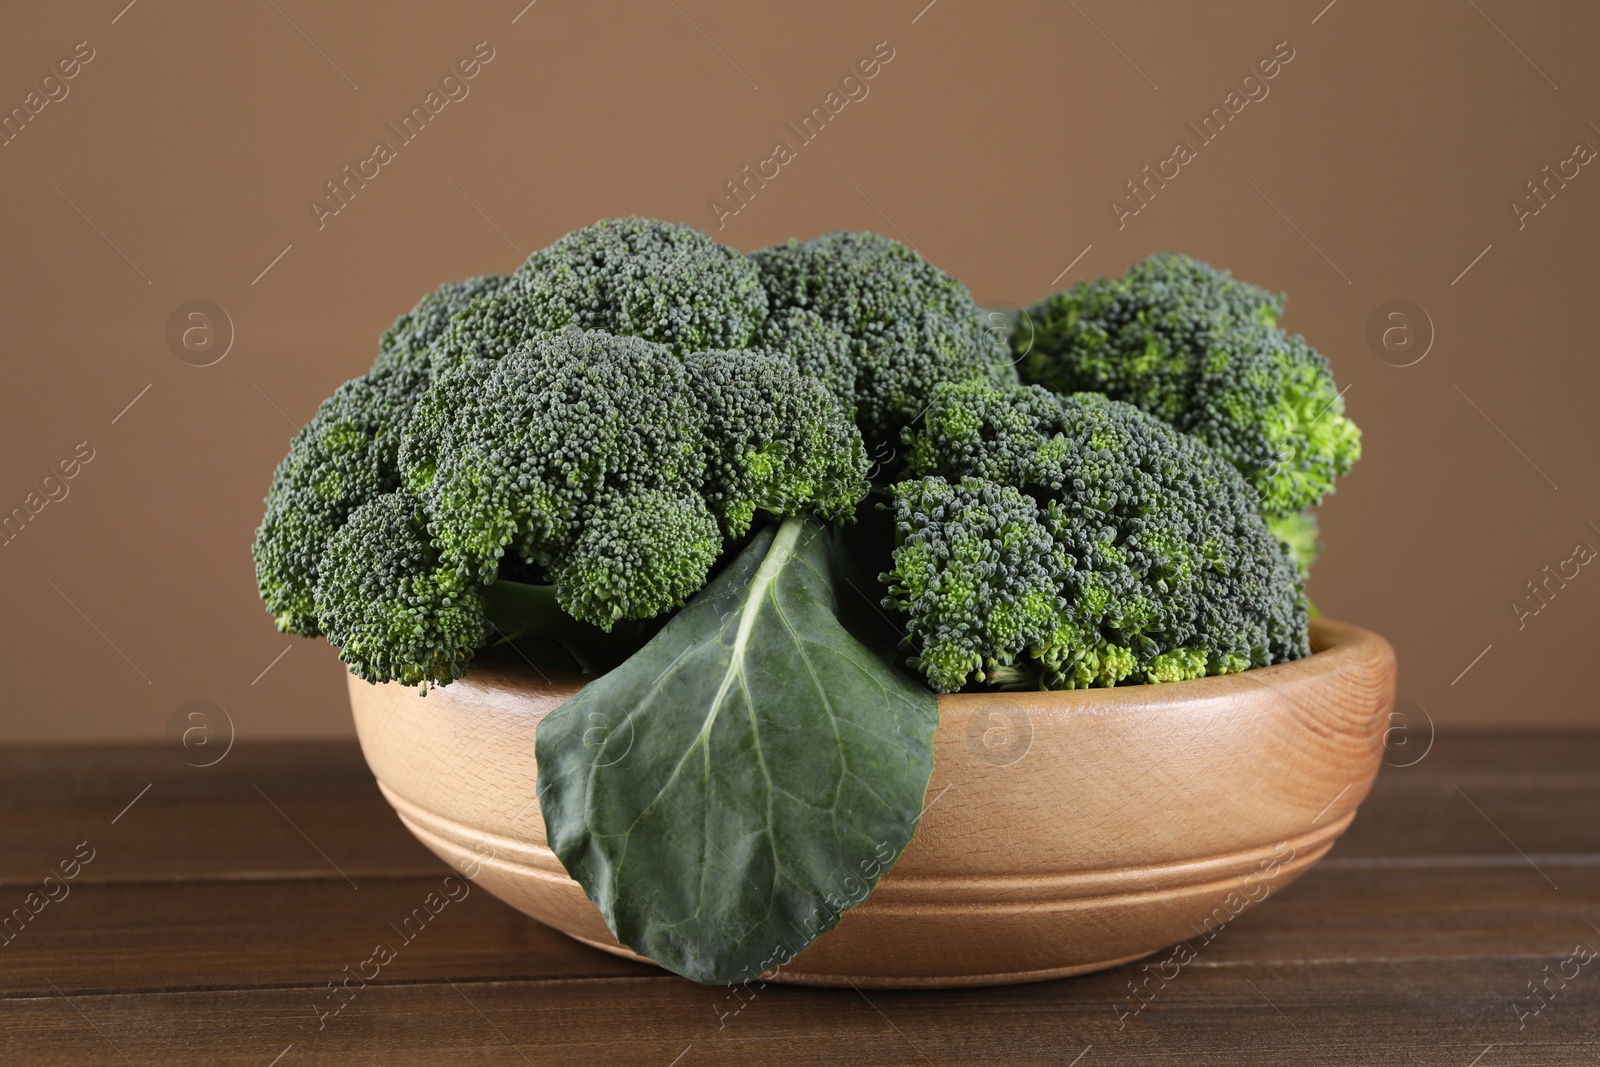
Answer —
1334 645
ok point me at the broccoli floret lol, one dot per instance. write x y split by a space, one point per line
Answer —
344 457
911 325
392 607
1300 532
631 277
636 555
510 452
410 338
1190 345
489 327
1285 418
820 349
616 467
1076 541
639 277
979 574
776 440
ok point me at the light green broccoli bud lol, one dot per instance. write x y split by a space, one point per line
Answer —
1300 532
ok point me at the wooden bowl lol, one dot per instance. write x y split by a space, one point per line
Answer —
1065 832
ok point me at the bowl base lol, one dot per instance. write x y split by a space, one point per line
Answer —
878 981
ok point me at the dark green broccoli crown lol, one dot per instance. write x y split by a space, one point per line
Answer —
412 334
638 277
820 349
489 327
344 457
858 279
1192 346
911 324
979 575
776 440
395 610
511 452
630 277
636 554
609 463
1163 567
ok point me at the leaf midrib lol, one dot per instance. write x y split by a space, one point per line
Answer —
778 553
777 556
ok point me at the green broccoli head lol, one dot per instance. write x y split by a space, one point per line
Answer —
509 453
910 324
395 610
615 467
820 349
979 575
636 554
1077 541
344 457
410 339
636 396
637 277
632 277
1202 351
776 440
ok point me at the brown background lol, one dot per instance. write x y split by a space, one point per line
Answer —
992 142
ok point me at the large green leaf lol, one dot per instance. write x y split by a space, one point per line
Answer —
745 777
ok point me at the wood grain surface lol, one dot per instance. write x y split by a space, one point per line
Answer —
220 905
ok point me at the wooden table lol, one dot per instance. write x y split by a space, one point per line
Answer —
218 905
